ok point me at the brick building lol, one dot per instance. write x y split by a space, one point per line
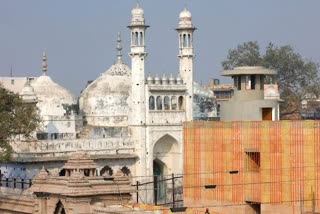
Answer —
252 166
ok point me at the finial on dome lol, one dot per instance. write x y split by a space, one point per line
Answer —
44 63
119 48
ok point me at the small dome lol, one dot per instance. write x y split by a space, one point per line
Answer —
27 89
157 80
171 79
150 79
137 10
164 79
52 97
185 14
179 80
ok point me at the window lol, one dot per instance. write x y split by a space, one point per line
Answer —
180 102
141 38
184 40
136 38
261 82
252 161
159 103
239 82
253 82
151 103
166 103
106 171
174 103
125 170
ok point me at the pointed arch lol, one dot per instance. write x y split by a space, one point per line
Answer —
159 103
59 208
106 169
166 103
126 171
151 103
141 39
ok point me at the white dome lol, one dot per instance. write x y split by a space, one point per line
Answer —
105 101
137 11
185 14
51 96
27 89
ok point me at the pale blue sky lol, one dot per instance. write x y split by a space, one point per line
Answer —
80 35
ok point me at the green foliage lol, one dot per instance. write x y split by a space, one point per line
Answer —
247 54
296 77
17 119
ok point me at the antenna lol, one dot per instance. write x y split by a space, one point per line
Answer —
11 72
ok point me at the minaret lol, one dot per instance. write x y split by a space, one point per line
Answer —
185 30
44 63
138 55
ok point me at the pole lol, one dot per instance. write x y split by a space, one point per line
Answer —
137 192
155 187
173 196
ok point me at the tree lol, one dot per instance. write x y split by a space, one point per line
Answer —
18 118
296 77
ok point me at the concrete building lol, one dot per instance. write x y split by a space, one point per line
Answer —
248 101
252 166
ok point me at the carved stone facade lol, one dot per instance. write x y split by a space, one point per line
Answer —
125 119
79 191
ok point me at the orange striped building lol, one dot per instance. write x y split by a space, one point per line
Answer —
252 166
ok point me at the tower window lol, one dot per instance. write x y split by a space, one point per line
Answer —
151 103
166 103
189 40
184 40
159 103
141 38
174 103
136 38
180 102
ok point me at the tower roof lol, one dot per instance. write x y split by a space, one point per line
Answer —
137 16
185 20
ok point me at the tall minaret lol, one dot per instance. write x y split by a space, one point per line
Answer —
138 55
185 30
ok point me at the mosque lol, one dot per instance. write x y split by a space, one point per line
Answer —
124 119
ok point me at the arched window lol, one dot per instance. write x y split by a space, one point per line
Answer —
107 170
189 40
141 38
166 103
159 103
136 38
174 103
59 208
62 172
151 103
184 40
180 103
125 170
132 38
180 40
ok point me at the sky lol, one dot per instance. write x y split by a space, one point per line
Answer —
80 35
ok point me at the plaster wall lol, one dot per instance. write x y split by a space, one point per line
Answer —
247 110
